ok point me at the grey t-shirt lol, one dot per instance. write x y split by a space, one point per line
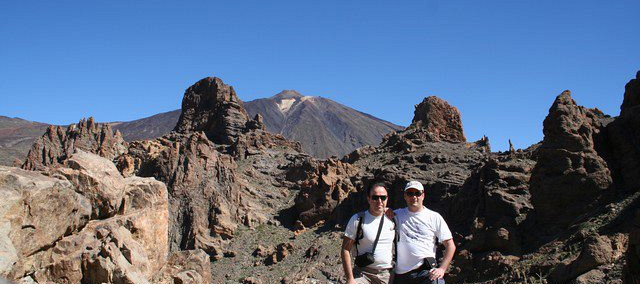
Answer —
382 255
418 233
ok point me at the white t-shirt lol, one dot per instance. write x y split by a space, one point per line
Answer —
382 255
417 237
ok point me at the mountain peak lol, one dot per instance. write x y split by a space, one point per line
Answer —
287 94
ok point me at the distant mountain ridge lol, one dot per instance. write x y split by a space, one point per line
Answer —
324 128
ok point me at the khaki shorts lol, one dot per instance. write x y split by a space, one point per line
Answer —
364 275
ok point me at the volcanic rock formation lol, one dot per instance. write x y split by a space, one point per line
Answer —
83 222
557 212
570 175
335 192
213 107
439 119
56 144
209 196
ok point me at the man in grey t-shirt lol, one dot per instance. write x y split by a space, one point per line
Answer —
377 272
418 230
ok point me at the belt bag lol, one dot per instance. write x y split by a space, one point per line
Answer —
367 258
430 263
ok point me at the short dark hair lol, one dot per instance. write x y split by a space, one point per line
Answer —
377 184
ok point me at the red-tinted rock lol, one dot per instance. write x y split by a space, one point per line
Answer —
212 107
56 144
440 119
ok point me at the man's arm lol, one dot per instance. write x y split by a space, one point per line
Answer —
345 254
449 250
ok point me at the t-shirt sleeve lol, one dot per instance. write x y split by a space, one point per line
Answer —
443 230
352 226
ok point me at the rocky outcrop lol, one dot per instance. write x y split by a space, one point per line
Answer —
212 106
570 175
488 213
624 138
57 144
332 191
209 196
82 222
439 119
632 257
631 96
183 267
206 204
596 251
324 185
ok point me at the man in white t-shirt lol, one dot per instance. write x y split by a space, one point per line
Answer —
361 231
418 230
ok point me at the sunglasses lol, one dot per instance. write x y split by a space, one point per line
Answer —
413 193
381 197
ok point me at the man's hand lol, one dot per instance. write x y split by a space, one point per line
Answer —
449 250
436 273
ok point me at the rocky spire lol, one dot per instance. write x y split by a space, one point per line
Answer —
440 119
569 174
213 107
631 95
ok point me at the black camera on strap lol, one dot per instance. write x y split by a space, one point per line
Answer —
366 258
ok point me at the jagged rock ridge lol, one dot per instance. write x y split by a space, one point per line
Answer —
335 129
57 144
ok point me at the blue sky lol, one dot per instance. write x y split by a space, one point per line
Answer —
501 63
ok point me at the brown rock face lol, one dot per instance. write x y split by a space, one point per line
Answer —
488 212
325 184
209 197
213 107
182 267
632 268
596 251
623 136
56 144
440 119
205 201
570 175
49 223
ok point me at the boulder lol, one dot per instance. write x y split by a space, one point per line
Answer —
35 212
596 250
185 267
57 236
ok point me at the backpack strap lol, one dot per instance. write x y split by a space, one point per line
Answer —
395 240
359 232
375 243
